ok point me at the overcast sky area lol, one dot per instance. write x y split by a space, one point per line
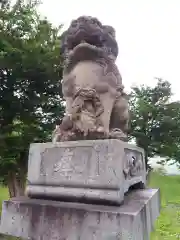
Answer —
147 31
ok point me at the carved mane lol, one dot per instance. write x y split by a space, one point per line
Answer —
90 30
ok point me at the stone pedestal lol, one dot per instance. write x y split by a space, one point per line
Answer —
79 191
52 220
86 171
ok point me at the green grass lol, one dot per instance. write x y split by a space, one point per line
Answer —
167 226
3 195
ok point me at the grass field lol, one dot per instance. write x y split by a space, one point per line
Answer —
168 224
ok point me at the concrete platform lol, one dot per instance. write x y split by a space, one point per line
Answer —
53 220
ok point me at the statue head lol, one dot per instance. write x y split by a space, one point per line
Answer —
90 30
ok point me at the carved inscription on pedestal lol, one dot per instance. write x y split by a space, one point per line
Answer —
65 162
85 164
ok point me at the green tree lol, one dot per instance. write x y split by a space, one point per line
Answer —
30 88
155 120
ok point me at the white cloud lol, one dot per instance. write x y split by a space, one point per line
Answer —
148 33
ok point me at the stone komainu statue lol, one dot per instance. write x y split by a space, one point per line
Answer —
96 105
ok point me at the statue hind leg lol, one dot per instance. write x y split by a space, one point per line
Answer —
107 102
119 121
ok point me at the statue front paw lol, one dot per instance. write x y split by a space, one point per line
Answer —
117 133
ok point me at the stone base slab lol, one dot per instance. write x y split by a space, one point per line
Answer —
52 220
89 170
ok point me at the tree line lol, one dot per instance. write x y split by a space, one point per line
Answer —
31 97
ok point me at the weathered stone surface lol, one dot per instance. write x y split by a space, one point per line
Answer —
96 104
51 220
94 170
